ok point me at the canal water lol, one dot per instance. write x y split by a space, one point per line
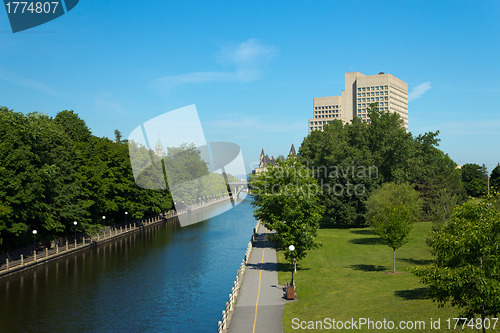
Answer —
163 279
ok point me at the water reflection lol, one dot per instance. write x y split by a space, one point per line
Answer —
163 279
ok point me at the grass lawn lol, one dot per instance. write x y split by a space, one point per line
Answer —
347 278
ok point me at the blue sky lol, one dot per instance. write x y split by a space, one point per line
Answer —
252 68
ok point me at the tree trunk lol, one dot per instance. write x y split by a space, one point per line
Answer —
394 259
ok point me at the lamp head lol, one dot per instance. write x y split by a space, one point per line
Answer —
291 248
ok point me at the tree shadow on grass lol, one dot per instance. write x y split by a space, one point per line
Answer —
366 241
412 294
363 232
416 261
286 267
368 268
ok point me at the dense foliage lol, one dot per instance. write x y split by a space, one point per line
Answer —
495 178
466 270
285 200
391 211
351 160
475 179
53 171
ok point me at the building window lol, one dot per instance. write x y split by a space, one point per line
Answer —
376 94
364 105
359 89
363 89
387 93
315 108
373 94
376 88
386 103
386 87
359 105
386 98
376 98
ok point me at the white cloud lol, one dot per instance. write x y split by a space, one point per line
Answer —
419 90
104 103
252 125
248 59
27 83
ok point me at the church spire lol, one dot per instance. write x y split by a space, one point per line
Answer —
158 147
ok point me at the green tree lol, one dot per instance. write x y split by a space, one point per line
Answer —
73 125
391 211
118 136
474 179
286 200
436 178
39 188
495 178
466 269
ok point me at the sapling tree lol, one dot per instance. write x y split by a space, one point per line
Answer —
391 211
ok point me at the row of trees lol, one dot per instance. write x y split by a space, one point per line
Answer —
53 171
365 155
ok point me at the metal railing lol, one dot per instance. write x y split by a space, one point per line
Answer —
233 296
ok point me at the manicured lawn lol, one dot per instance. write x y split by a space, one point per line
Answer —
347 278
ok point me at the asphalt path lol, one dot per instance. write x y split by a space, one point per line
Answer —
261 301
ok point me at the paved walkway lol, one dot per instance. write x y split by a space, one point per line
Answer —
260 304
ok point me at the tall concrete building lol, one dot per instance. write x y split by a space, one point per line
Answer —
388 91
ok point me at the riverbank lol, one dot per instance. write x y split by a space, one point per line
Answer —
26 258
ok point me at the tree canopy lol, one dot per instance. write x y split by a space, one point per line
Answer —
54 171
286 200
466 269
475 179
351 160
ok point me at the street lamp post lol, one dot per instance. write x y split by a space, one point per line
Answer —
75 223
34 241
126 214
292 248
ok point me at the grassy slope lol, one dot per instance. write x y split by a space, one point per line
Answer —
346 279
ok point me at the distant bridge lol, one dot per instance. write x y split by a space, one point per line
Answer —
237 187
